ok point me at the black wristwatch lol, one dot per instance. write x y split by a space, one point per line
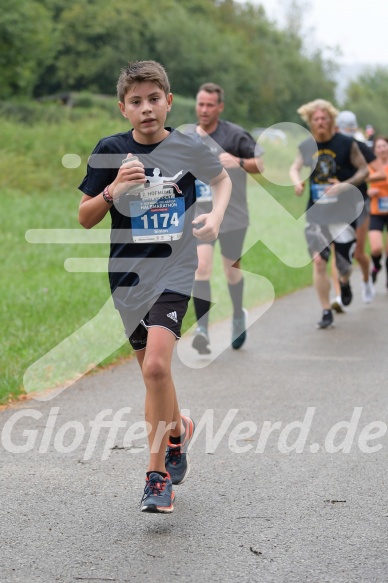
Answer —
242 162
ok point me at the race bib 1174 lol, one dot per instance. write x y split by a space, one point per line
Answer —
157 221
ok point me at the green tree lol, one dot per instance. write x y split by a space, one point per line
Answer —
95 40
367 96
78 45
277 75
26 45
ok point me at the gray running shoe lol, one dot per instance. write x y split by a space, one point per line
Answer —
239 331
201 340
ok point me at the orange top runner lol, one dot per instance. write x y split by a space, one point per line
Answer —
379 202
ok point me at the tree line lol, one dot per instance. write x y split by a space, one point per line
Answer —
53 46
367 96
49 46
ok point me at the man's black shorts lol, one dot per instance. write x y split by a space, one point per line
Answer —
231 243
167 312
320 237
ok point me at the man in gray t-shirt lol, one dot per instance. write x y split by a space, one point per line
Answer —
239 154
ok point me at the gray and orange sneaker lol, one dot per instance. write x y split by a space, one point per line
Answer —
158 494
177 459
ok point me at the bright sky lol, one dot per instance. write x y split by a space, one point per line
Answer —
358 27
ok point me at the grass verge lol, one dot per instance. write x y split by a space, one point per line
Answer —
43 304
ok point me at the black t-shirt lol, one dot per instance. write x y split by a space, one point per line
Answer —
233 139
152 245
327 160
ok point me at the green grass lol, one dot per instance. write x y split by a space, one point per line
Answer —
43 304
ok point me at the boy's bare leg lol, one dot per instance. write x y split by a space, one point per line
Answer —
161 405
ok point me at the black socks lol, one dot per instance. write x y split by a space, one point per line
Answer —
202 301
202 304
177 440
376 261
163 474
236 293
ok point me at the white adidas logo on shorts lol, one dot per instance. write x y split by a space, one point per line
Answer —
173 316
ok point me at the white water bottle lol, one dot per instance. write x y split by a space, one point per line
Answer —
136 188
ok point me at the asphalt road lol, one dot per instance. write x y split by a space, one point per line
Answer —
266 501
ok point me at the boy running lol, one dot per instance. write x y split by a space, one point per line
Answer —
153 255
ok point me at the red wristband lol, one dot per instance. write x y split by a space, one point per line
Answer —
106 196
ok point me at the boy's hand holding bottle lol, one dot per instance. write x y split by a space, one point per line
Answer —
130 178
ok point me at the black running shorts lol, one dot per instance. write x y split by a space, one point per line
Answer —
167 312
319 239
231 243
378 222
